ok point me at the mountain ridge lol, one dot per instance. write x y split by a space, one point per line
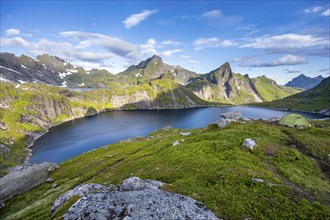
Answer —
305 82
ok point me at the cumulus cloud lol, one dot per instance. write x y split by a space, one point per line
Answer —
15 41
202 43
136 19
282 61
193 61
13 32
113 44
326 13
171 43
169 53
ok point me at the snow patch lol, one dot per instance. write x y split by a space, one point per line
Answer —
3 79
21 81
63 75
24 66
10 70
138 75
73 71
64 84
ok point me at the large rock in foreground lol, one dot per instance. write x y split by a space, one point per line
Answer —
20 181
138 199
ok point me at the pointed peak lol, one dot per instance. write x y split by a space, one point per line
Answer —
154 58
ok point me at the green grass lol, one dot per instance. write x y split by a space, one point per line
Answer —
210 166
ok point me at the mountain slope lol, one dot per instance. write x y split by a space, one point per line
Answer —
304 82
50 70
154 68
315 99
222 85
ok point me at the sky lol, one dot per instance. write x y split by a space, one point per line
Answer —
279 39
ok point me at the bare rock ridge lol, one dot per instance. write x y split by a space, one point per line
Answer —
304 82
134 198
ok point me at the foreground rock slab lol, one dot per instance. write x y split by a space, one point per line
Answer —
249 143
20 181
232 115
138 199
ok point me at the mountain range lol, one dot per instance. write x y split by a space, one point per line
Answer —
304 82
220 85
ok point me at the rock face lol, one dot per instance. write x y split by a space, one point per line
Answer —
81 190
23 180
249 143
138 199
223 122
232 115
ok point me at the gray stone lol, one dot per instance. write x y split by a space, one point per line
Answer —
185 133
3 126
249 143
232 115
49 180
2 204
81 191
131 184
23 180
273 119
54 186
139 203
176 143
4 149
256 180
167 127
223 122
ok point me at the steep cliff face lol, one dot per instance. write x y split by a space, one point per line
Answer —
222 85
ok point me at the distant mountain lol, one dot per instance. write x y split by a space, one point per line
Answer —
316 99
304 82
154 68
50 70
222 85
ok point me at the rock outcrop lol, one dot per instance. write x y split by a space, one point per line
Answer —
232 115
249 143
23 180
138 199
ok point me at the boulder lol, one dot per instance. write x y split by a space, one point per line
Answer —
81 190
294 120
232 115
20 181
176 143
4 149
185 133
3 126
223 122
249 143
148 202
167 127
273 119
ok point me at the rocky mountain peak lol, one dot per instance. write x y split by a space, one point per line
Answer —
54 63
152 60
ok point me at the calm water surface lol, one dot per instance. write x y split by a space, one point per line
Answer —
80 135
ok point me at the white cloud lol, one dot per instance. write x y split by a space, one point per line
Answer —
313 10
202 43
185 56
169 53
285 41
217 18
193 61
15 41
113 44
212 14
13 32
171 43
326 13
282 61
136 19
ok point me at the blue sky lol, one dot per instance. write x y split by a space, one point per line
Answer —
279 39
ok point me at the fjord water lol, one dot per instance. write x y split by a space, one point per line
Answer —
80 135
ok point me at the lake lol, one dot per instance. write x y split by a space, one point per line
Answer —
80 135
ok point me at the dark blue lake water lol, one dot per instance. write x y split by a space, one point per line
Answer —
80 135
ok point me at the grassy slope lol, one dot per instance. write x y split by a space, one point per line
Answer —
43 102
269 90
210 166
311 100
